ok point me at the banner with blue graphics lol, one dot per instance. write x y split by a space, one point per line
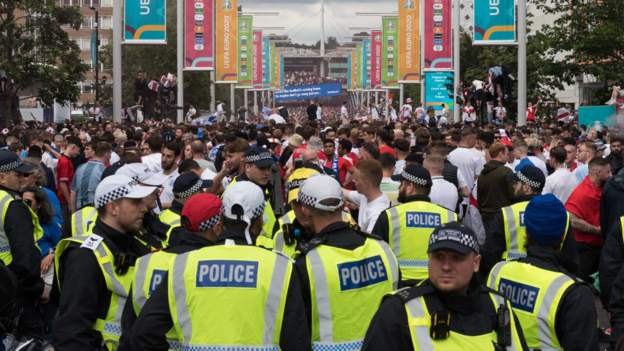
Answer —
366 63
266 62
439 90
307 92
494 22
145 22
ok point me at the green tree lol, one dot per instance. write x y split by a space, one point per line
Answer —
36 55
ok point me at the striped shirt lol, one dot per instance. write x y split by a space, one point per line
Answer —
86 179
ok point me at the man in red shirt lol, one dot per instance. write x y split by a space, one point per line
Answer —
385 140
584 208
64 176
339 165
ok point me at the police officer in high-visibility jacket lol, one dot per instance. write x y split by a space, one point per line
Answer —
406 227
19 232
95 270
555 309
611 280
258 169
506 233
200 226
186 185
229 296
344 271
451 310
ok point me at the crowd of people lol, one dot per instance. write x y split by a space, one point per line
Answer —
299 78
311 232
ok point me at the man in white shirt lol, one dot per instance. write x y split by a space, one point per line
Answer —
370 200
278 118
344 113
562 182
521 152
587 151
467 159
153 159
170 156
443 192
406 110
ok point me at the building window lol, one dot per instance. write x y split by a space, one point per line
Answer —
106 22
87 22
106 3
103 42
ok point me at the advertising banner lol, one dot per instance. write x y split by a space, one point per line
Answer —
266 61
366 63
245 51
278 68
145 22
257 59
349 71
353 69
282 76
494 22
308 92
375 75
358 66
389 52
409 42
272 65
226 36
198 35
438 35
439 90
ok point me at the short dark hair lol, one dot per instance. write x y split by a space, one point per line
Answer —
74 141
187 166
345 144
558 153
402 145
371 149
155 143
496 149
598 162
175 147
34 151
101 148
387 161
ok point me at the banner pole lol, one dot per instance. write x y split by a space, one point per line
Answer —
456 57
246 102
117 79
232 104
255 98
522 63
401 95
212 91
180 63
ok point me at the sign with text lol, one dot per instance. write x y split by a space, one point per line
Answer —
389 51
245 50
439 90
308 92
145 22
257 59
226 36
266 62
375 74
494 22
438 35
409 41
198 35
366 63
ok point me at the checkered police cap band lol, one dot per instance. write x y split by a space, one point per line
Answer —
10 166
414 179
311 201
258 211
190 191
255 158
524 179
209 223
455 236
115 194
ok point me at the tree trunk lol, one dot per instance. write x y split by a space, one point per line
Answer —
6 110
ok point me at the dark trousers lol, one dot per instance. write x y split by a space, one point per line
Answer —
66 228
589 258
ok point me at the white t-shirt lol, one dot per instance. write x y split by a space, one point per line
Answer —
369 211
319 113
166 196
443 193
344 112
561 184
153 162
277 118
469 162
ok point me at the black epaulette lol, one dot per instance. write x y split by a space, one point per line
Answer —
410 293
487 289
356 228
309 245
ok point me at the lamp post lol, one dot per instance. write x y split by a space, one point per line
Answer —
95 52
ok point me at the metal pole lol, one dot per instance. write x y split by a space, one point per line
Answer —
96 64
456 56
117 32
522 63
376 97
232 98
180 44
401 95
387 104
246 102
212 91
322 38
256 102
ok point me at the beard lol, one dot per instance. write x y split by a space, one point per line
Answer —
402 198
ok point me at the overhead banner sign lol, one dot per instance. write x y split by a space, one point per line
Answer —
145 22
266 62
409 42
353 70
376 46
308 92
366 63
438 36
226 36
198 35
349 71
389 51
245 51
439 90
358 65
257 59
494 22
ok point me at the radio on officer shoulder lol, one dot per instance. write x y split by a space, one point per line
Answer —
504 326
440 326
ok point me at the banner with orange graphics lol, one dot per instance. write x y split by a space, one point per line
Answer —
494 22
145 22
226 33
409 41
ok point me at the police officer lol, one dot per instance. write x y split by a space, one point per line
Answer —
450 310
611 278
200 226
19 231
258 169
556 310
344 271
506 235
232 295
407 226
95 270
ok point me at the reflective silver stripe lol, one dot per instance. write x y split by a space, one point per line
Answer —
90 218
392 262
513 231
273 300
413 263
545 337
423 340
4 240
494 275
322 297
279 241
396 230
77 223
451 215
140 273
3 202
175 223
285 219
179 289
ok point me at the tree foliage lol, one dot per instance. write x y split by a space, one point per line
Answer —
36 54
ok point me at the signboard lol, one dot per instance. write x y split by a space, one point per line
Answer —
358 66
366 63
266 61
353 71
438 36
145 22
439 90
245 51
389 51
494 22
375 74
349 71
257 59
226 36
409 42
308 92
277 63
591 115
198 35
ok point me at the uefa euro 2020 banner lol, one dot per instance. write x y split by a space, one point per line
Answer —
258 75
375 75
438 36
226 34
409 41
145 22
494 22
198 35
389 51
245 51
